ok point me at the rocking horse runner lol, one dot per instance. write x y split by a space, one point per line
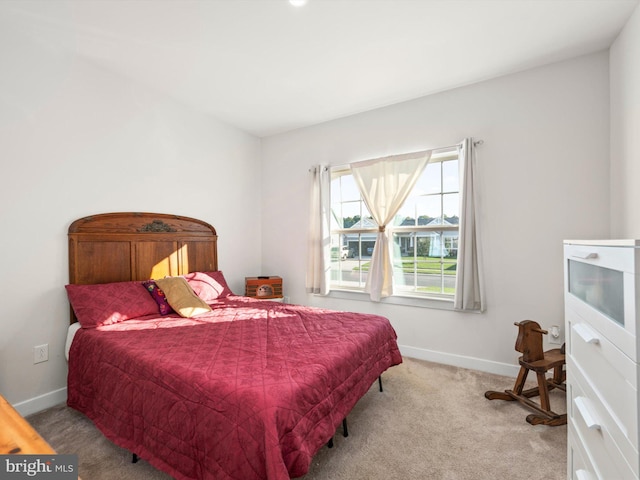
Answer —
529 343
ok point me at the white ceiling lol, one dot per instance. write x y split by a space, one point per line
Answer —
268 67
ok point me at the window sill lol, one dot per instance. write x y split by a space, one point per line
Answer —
436 303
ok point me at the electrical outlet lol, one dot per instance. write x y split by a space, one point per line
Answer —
555 335
41 353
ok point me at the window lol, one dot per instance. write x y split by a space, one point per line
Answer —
424 233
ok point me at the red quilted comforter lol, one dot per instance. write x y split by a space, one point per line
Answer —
250 391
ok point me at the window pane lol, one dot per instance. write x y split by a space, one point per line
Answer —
337 188
350 214
336 203
425 262
366 220
451 207
335 247
367 243
430 180
407 213
346 205
429 208
349 189
451 244
450 181
349 269
335 220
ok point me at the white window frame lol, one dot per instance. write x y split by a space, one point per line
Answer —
400 296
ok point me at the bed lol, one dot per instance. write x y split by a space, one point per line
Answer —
245 389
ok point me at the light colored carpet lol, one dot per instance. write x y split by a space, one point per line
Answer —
431 422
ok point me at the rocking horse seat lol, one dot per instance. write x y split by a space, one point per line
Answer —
529 342
552 359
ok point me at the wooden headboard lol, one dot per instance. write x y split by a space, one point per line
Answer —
118 247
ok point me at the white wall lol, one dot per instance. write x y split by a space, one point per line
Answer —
625 130
544 175
78 140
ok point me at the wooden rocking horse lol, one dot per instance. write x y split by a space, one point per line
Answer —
529 343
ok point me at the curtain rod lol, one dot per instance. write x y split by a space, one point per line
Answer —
457 145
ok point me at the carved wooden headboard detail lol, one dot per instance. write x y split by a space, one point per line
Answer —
118 247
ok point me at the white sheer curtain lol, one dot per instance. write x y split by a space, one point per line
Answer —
318 271
469 294
384 185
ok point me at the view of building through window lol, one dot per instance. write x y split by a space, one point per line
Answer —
424 233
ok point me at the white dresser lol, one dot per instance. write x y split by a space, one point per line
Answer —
601 322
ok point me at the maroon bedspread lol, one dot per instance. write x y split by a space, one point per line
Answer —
250 391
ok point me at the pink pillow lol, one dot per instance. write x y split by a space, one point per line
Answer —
107 303
209 286
159 297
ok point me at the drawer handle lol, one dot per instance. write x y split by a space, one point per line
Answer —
583 475
585 255
582 403
586 333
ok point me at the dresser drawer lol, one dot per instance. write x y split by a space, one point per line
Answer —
619 255
621 337
605 444
612 375
579 466
601 285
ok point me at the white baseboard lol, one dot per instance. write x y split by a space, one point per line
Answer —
42 402
461 361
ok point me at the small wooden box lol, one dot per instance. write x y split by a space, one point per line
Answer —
263 287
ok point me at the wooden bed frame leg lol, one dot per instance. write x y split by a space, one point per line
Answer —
380 382
134 459
330 444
